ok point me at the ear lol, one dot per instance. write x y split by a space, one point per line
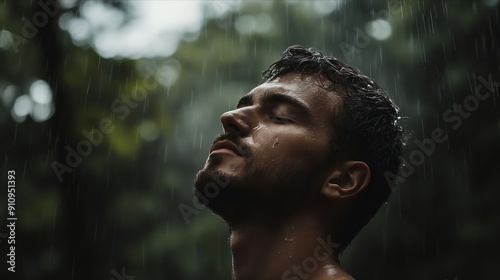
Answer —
346 180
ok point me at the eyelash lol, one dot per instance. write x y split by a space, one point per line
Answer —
276 119
280 120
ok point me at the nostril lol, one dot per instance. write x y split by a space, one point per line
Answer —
230 123
235 122
233 127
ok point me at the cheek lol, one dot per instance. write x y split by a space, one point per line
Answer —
288 145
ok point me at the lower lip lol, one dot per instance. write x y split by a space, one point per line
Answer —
223 151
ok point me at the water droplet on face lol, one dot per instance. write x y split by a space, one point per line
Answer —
276 142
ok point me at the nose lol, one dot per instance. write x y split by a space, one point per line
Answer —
237 122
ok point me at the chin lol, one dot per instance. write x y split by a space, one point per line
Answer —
223 194
210 188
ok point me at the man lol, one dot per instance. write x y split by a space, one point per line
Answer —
300 167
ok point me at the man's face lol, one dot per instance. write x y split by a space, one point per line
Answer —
276 147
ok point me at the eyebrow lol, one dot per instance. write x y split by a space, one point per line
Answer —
275 97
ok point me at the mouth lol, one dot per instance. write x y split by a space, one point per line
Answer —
225 147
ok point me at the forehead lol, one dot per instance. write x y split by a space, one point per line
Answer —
307 89
293 82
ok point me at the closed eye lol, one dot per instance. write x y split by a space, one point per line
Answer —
280 120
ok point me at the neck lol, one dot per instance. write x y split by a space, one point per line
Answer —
296 249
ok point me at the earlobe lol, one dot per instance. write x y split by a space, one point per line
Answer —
348 179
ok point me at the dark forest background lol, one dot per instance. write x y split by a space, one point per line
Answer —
141 128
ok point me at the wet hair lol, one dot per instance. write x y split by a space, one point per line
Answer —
366 126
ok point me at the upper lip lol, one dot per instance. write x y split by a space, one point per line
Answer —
225 144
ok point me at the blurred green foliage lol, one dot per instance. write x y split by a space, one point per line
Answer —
118 208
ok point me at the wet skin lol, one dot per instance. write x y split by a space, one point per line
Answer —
282 131
275 154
